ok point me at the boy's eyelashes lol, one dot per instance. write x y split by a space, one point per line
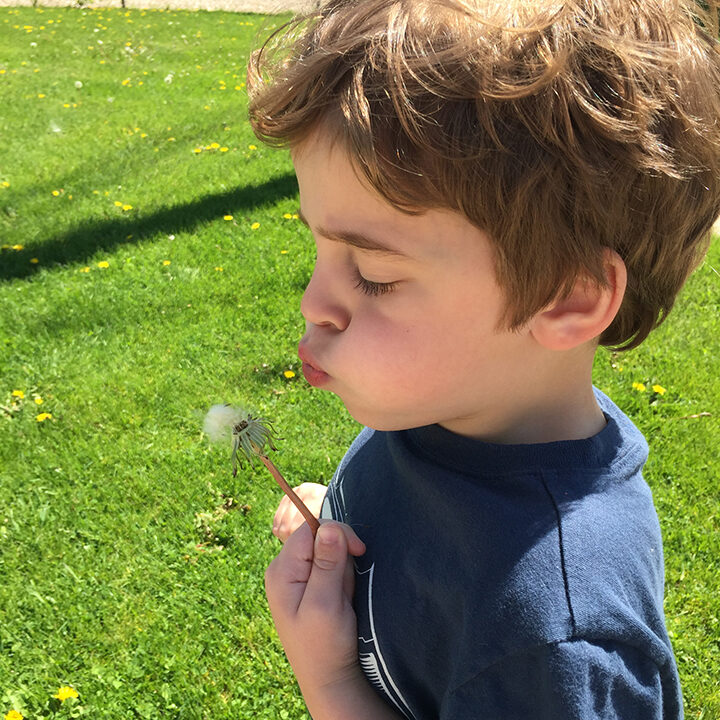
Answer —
369 287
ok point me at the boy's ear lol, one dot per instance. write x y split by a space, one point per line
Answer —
586 312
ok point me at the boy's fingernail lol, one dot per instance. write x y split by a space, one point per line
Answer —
327 536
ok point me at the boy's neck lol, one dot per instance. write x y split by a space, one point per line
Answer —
555 402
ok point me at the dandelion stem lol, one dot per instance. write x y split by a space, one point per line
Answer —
299 504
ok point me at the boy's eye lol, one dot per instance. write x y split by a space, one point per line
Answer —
372 288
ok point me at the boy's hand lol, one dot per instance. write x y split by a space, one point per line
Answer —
309 587
288 518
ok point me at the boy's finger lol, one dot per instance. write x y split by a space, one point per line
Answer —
325 587
287 574
355 546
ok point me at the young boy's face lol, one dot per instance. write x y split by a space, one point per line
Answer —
402 310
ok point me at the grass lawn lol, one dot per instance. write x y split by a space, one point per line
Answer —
151 266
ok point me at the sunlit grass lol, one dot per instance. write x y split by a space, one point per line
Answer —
146 273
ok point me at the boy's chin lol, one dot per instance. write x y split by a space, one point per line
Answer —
384 421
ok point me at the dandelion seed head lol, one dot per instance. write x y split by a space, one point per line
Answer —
219 422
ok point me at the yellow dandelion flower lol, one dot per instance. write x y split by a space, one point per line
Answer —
640 387
287 216
85 269
252 147
34 261
283 252
55 193
127 207
227 217
659 389
18 247
197 150
171 139
296 216
125 82
38 400
41 95
65 692
5 183
255 226
143 135
289 374
42 417
218 269
117 203
14 715
166 262
18 394
214 146
103 264
224 149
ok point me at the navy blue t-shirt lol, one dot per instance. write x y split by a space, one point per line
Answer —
509 582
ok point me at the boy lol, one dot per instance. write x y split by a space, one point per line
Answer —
494 189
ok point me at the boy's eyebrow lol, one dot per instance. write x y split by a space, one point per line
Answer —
358 240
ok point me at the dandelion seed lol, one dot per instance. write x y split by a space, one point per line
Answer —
640 387
255 226
65 692
18 394
249 436
103 264
42 417
659 389
289 374
227 217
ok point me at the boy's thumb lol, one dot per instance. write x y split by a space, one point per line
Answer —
330 547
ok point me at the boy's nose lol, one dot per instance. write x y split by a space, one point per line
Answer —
320 304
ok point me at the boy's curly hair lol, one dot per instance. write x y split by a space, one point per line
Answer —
558 127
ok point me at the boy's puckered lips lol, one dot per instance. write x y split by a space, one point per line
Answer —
310 369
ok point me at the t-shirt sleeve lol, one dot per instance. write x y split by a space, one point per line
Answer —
571 680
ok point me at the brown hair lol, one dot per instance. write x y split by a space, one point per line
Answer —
558 127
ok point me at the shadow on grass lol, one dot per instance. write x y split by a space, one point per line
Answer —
78 244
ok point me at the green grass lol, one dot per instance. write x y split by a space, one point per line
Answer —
125 569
